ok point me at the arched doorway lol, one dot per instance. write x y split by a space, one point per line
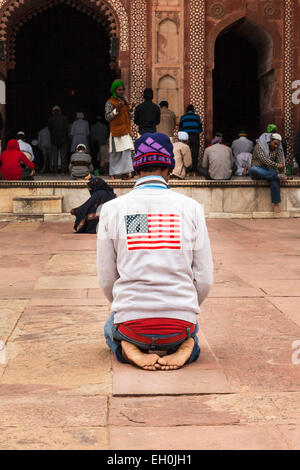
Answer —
243 80
62 56
236 87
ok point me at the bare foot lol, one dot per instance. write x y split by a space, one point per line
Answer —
277 208
179 358
135 356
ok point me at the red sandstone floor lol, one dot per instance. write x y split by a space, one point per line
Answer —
60 388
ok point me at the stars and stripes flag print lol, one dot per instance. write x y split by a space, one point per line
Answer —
153 232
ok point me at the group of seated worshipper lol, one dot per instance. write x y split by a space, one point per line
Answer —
264 161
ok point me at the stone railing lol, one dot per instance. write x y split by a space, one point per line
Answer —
237 198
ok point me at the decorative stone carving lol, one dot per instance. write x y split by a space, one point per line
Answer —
197 73
138 49
288 79
168 89
271 10
217 10
167 42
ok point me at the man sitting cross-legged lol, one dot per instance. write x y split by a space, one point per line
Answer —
154 265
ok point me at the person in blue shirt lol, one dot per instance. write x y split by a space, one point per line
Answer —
191 123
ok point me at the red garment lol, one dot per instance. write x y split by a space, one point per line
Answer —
157 326
10 161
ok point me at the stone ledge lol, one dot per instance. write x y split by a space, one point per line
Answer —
38 198
37 204
65 217
254 215
59 218
10 217
195 183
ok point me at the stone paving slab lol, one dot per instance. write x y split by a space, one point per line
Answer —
60 438
96 294
60 363
235 292
202 377
79 263
191 380
10 312
198 438
280 288
50 294
253 343
167 411
289 306
19 227
67 282
97 302
292 435
52 410
73 323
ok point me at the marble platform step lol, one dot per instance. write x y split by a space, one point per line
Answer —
55 218
37 205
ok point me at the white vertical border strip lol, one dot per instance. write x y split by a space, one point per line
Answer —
138 50
197 51
288 75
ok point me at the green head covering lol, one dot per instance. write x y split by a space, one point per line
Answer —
116 85
271 128
243 134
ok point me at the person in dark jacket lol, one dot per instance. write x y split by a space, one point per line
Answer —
191 123
87 215
11 161
147 114
58 125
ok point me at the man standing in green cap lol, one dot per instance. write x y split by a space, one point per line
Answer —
117 113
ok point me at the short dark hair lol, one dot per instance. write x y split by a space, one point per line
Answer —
164 103
190 108
148 94
150 169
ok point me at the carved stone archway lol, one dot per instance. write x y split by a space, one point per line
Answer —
268 48
111 14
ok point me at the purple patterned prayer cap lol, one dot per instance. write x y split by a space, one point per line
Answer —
153 150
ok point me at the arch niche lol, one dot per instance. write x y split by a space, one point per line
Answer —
238 40
105 19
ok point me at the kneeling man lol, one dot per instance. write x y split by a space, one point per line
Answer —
154 265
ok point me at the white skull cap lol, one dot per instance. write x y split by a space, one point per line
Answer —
276 137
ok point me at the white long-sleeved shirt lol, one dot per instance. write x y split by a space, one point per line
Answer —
154 256
25 147
242 161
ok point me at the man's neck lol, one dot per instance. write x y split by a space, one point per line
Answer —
163 175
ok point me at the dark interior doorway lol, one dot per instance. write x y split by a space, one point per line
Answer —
62 57
236 87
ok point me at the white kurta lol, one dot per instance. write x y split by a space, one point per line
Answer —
120 157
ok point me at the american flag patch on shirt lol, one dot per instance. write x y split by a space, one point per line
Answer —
153 232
